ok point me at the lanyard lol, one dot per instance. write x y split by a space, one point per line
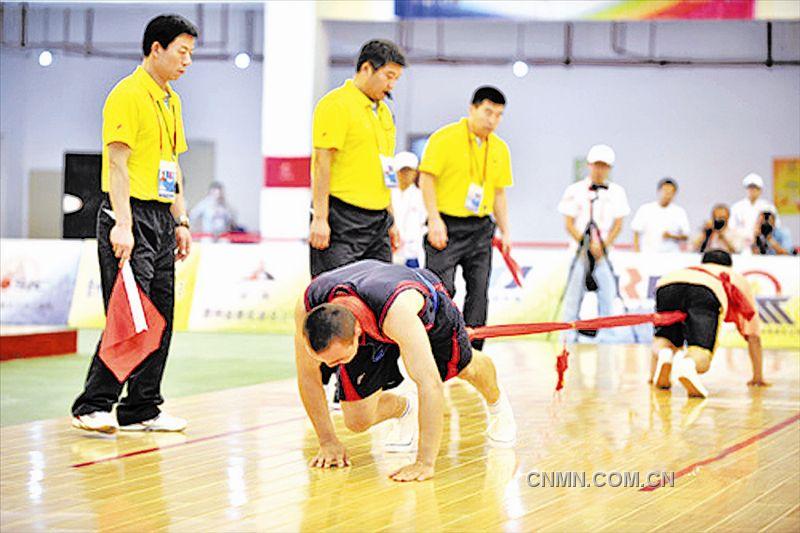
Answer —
472 159
159 116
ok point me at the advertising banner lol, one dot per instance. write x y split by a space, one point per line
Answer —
775 281
36 280
254 288
249 287
87 300
786 185
587 9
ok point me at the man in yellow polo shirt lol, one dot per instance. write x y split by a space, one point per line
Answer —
352 170
463 175
142 220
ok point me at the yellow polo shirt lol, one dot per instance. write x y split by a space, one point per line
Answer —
136 114
359 130
456 159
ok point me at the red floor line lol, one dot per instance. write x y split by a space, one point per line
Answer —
185 443
729 450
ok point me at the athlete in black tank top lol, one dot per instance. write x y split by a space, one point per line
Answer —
360 319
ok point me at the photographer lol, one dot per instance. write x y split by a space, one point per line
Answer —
716 233
764 236
593 210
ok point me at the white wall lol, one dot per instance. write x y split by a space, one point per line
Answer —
49 111
706 127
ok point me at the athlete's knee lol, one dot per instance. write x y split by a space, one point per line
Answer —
478 365
702 358
659 343
357 422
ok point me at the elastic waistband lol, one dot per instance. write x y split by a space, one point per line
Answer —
476 220
145 204
342 204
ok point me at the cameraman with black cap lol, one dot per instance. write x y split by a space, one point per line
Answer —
717 233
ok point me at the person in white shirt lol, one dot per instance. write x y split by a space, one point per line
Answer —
409 209
661 226
746 214
593 210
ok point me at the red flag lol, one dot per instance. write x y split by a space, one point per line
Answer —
133 326
512 265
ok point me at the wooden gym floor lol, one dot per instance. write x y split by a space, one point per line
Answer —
241 465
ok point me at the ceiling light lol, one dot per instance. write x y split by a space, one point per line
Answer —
242 60
46 58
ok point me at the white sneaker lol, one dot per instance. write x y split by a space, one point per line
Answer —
330 394
663 369
686 372
502 428
403 433
100 421
163 422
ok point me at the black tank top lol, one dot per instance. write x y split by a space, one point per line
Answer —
377 284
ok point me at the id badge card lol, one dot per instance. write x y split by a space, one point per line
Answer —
389 173
474 198
167 178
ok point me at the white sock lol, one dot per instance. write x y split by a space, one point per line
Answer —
497 406
665 352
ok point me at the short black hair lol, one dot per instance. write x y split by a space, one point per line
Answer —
487 92
164 29
326 322
380 52
721 206
667 181
717 257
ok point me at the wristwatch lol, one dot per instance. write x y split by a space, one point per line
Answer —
183 220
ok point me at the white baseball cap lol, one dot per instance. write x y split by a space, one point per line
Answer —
753 180
601 152
406 160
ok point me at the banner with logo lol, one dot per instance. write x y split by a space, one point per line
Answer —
36 280
87 299
249 287
254 288
786 185
588 9
774 279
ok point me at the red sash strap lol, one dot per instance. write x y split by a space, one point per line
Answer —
509 330
364 315
738 305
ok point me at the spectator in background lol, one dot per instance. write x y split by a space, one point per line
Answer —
409 209
747 214
593 210
212 214
765 241
717 233
660 226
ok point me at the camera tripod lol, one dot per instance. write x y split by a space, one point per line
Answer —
589 232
